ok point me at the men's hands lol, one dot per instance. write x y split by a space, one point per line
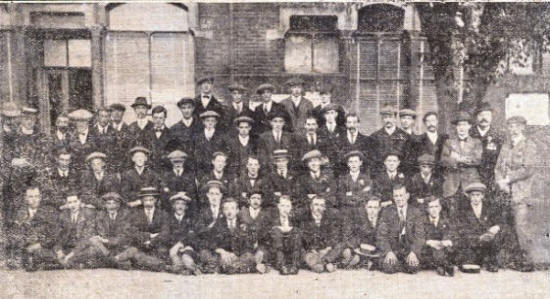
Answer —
504 185
34 247
390 258
486 237
447 243
386 203
367 247
134 203
494 229
412 260
437 245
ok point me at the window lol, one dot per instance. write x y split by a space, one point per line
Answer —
67 53
312 45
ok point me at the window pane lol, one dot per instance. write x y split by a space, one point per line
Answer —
148 17
126 68
325 55
80 53
55 52
172 71
298 54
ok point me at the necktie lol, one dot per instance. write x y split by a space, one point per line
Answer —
278 137
401 216
112 216
73 218
252 181
265 109
149 217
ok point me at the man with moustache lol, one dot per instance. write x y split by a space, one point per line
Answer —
430 142
263 113
137 130
491 140
389 138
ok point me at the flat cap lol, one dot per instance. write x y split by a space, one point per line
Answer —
29 110
407 112
264 87
139 149
236 86
118 107
96 155
462 116
104 108
392 153
516 120
214 184
279 114
10 109
209 113
111 196
354 153
325 89
180 196
148 191
330 107
294 81
141 101
186 100
81 114
477 186
205 79
483 106
280 153
312 154
177 155
426 159
216 154
62 116
388 109
243 118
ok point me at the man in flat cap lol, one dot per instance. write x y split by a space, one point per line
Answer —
148 225
280 178
241 145
250 180
491 139
208 141
297 106
285 237
159 138
181 236
61 132
425 182
103 132
206 101
400 235
183 132
460 157
351 140
82 142
359 234
178 179
238 106
263 113
389 138
256 220
315 181
354 185
33 232
137 130
383 182
119 159
59 179
97 180
407 118
430 142
137 177
441 239
276 137
516 174
481 227
329 112
321 236
112 230
229 246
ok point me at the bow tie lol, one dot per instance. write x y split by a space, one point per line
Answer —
158 130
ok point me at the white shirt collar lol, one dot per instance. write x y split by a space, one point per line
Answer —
187 122
142 123
244 140
267 106
254 212
390 131
296 100
118 126
432 136
482 132
59 135
517 139
354 175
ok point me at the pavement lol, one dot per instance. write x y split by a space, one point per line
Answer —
107 283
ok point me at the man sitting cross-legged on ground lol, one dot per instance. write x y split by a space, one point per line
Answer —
286 241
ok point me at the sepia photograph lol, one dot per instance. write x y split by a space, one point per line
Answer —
272 149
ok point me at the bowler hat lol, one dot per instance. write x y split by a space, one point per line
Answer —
111 196
462 116
148 191
141 101
236 86
186 100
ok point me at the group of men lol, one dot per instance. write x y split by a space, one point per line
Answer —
286 185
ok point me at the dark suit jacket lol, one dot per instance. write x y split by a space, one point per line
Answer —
362 144
320 237
258 228
181 231
119 155
419 189
267 144
421 144
172 184
116 231
205 149
213 105
227 179
383 185
70 234
324 186
471 228
231 113
56 187
92 189
137 136
81 151
262 120
141 229
492 143
131 182
242 187
297 114
183 136
457 174
204 219
302 145
340 119
389 235
236 241
350 193
238 154
383 143
358 229
445 229
39 229
159 148
104 141
278 185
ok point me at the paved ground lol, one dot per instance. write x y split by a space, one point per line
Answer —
343 284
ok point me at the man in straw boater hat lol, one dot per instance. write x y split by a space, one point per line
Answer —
148 226
135 178
281 180
460 158
263 112
208 141
297 106
425 182
181 236
480 233
241 145
97 179
82 142
178 179
315 182
359 234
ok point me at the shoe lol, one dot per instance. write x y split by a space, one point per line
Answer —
492 268
450 269
284 270
440 271
330 267
261 268
522 267
293 270
196 271
354 261
317 268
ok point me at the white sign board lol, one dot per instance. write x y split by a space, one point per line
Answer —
532 106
